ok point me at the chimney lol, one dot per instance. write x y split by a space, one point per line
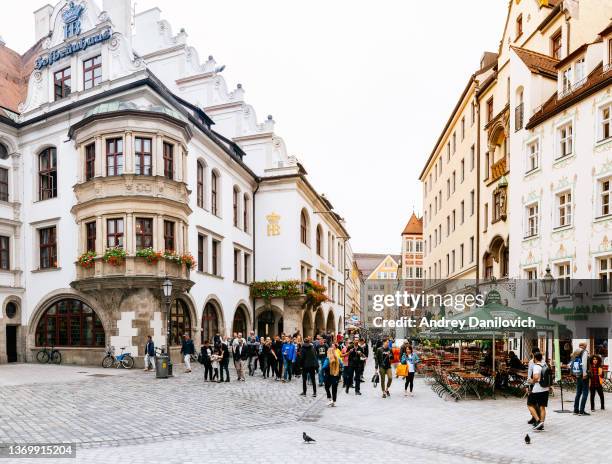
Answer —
120 14
42 21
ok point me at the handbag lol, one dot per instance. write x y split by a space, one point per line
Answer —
376 379
401 370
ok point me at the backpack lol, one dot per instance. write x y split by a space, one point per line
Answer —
577 368
546 377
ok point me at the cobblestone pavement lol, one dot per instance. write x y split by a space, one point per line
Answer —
134 418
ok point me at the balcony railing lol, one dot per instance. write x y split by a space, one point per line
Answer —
133 266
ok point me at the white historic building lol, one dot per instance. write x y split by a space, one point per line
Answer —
122 154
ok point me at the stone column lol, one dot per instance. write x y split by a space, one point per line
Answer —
158 156
128 153
129 234
99 235
99 163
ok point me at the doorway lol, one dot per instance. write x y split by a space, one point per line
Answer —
11 343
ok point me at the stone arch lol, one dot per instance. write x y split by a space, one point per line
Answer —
307 325
269 320
331 323
319 321
241 320
212 321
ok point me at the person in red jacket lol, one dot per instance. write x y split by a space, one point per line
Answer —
596 378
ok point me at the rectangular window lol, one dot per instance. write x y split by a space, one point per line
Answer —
473 113
90 161
605 274
62 83
605 122
236 265
4 185
247 266
168 160
454 181
563 279
497 206
448 188
453 261
144 233
566 81
448 151
519 26
201 253
555 45
472 157
47 248
533 156
447 226
579 73
92 72
235 206
604 197
462 175
564 209
462 211
215 257
471 249
532 220
142 153
47 174
5 262
114 157
454 142
489 109
532 283
472 202
461 263
114 233
485 217
486 166
169 244
245 213
463 128
566 140
90 231
454 220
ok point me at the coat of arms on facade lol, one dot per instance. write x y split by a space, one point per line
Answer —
72 20
273 224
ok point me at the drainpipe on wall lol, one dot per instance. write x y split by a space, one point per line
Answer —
254 252
477 188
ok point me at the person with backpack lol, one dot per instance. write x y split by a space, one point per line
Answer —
537 401
310 364
384 358
321 346
579 366
412 359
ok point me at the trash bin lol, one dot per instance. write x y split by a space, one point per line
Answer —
161 366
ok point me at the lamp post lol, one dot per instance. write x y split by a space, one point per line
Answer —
167 290
548 282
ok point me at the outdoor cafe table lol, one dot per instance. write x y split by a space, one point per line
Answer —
471 381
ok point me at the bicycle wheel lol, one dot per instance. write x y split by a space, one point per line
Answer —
42 357
56 357
108 361
127 362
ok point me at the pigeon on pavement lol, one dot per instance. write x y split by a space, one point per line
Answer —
308 439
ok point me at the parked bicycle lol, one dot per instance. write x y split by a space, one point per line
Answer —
124 359
49 355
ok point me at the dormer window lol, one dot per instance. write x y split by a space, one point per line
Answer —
555 45
579 72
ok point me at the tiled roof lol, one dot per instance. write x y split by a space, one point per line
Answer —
15 71
414 226
537 62
598 79
367 262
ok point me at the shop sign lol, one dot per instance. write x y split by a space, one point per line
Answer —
72 48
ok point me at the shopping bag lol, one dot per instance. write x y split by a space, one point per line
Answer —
401 370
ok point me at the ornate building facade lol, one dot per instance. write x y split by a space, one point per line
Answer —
124 161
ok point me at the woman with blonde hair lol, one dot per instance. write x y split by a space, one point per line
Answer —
332 367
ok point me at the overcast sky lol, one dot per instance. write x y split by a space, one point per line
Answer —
360 90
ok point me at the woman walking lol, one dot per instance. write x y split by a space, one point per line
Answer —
331 375
215 359
410 358
596 375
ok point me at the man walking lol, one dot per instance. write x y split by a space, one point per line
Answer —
310 365
240 357
187 349
206 353
225 355
537 400
384 358
321 346
288 358
579 367
149 359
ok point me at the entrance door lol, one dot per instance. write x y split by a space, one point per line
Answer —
11 343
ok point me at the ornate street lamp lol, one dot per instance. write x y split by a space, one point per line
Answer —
548 283
167 290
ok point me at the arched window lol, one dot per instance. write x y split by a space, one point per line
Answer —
239 325
69 322
245 212
304 232
180 321
319 241
236 206
47 174
214 181
210 322
200 185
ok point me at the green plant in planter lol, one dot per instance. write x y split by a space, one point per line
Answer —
87 260
170 255
114 256
276 289
149 254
